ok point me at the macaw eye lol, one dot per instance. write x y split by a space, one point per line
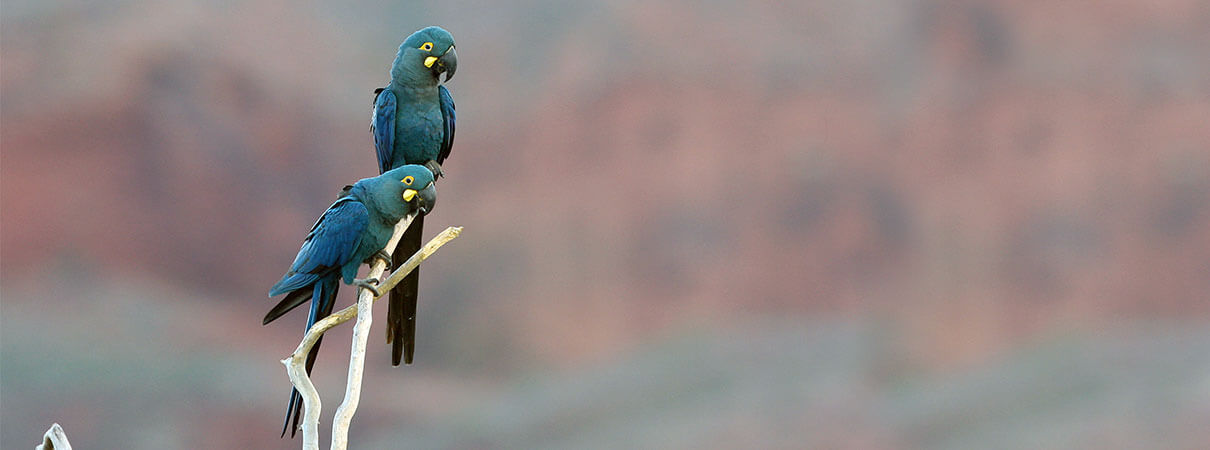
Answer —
427 46
408 180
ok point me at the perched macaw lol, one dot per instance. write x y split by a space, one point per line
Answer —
352 231
413 123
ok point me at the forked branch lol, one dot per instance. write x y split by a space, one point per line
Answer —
295 364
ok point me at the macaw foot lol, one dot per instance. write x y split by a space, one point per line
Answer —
381 255
434 167
370 284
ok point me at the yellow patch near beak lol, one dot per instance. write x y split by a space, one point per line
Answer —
409 194
428 62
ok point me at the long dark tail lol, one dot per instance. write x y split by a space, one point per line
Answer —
401 309
291 301
322 301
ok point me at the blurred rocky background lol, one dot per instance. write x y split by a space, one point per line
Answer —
761 224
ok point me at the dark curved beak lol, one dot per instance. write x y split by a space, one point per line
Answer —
426 199
447 63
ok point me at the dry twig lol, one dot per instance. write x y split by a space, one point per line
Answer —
54 439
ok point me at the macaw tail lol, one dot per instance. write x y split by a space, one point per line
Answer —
323 299
291 301
401 308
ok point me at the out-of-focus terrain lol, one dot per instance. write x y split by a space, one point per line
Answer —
733 224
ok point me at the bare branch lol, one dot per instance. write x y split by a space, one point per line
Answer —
54 439
361 332
296 362
412 263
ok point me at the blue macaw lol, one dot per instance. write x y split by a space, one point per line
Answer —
352 230
413 123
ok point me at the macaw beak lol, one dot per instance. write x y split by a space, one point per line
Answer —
447 63
426 198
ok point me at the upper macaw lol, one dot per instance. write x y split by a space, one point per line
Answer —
352 230
413 123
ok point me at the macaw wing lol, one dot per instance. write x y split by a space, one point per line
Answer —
382 125
448 119
332 242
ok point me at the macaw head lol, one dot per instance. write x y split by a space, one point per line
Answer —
399 191
425 55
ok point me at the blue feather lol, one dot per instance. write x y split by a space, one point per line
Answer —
449 119
331 244
348 232
383 127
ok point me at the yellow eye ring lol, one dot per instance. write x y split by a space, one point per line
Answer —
408 180
427 46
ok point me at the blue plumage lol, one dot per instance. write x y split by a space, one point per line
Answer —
413 123
449 119
383 127
413 120
331 244
352 230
